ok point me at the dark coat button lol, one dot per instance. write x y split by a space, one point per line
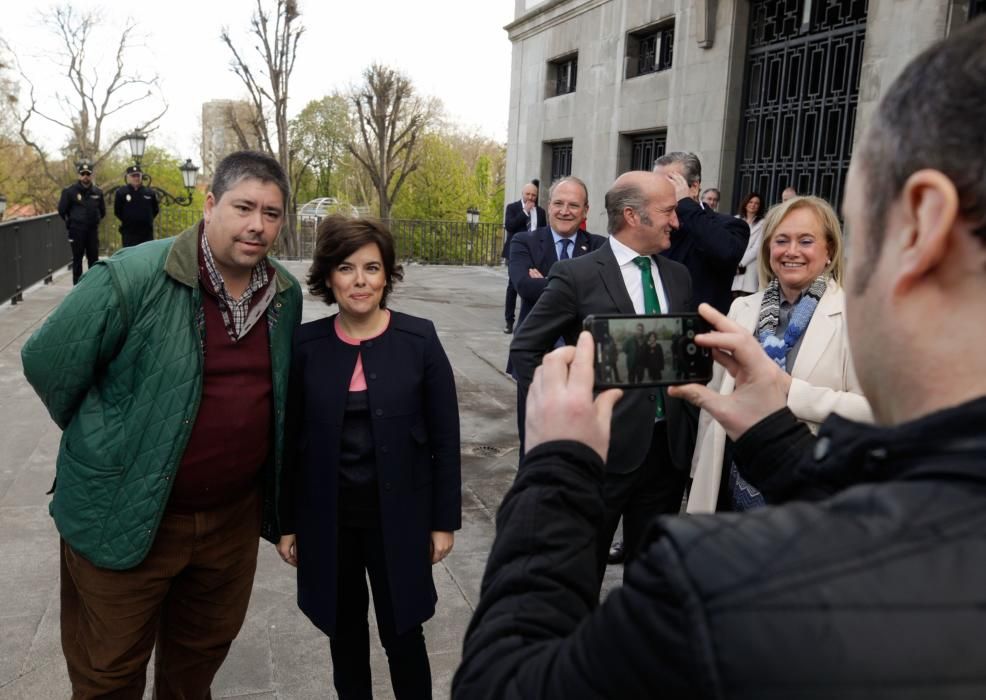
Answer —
379 412
373 375
387 486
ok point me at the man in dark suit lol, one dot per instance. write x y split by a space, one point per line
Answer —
533 253
650 453
524 215
710 245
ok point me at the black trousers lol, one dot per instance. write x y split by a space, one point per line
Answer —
654 488
83 243
361 552
510 303
136 236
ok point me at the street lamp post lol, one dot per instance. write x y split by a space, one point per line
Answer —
137 141
472 218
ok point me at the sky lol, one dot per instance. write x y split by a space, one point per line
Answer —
455 50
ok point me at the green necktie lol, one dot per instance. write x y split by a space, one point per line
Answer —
652 305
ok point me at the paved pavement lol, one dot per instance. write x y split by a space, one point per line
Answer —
278 654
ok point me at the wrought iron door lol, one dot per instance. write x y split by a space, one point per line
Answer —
799 105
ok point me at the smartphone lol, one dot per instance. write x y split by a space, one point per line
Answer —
656 350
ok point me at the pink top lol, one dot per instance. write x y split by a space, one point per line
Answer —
358 382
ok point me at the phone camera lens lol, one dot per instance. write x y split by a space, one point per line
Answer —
690 333
691 348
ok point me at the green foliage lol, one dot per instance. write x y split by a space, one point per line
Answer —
456 171
319 135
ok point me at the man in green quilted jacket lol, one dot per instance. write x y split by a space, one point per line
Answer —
167 370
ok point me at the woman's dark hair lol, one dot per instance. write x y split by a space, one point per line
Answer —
338 237
746 200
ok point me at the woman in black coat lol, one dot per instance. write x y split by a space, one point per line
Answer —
373 482
654 357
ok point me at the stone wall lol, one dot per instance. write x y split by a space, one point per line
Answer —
697 102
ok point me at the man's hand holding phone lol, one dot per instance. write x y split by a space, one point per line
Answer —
560 404
761 386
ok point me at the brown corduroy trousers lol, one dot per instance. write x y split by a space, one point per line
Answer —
188 598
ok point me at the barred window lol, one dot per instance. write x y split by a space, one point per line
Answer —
650 49
561 159
562 74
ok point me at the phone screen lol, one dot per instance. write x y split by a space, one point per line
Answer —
654 350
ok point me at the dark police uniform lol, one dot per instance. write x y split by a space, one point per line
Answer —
136 209
82 208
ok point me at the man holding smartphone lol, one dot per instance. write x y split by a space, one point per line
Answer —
866 578
644 477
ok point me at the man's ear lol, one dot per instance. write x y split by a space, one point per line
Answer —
929 208
629 216
210 203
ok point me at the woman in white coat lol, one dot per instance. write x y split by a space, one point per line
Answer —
799 319
746 280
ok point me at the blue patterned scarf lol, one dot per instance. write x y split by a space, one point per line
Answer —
745 495
770 315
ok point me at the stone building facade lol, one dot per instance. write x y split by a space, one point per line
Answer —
227 126
768 93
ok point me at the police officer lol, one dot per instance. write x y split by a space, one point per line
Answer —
82 207
135 206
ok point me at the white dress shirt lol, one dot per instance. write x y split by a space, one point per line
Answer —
631 276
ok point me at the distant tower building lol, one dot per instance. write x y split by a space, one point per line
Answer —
227 126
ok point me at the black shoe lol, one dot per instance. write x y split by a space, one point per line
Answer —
509 328
616 553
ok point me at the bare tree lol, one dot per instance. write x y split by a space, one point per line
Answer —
391 117
90 96
278 34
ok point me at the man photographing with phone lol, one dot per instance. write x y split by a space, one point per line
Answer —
650 454
869 582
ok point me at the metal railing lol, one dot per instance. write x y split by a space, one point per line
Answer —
169 222
30 251
432 242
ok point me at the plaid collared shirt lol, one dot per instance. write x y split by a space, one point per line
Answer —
238 317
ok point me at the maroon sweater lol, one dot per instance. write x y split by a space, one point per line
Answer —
231 437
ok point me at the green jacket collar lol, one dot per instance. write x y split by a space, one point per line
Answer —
182 262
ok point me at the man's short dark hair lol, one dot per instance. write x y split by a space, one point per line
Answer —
691 166
619 198
340 236
931 117
243 165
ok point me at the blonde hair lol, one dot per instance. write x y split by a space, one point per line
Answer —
830 225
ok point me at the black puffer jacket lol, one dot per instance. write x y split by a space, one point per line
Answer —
877 592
